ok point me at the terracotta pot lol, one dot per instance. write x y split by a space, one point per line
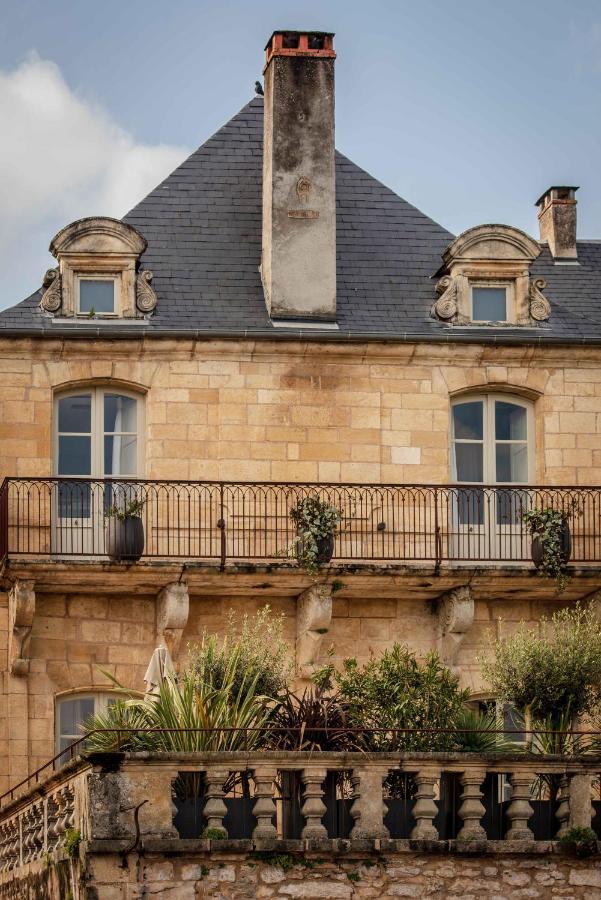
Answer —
565 542
124 540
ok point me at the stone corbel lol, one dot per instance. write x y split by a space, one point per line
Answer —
21 611
146 298
52 298
172 615
313 619
446 306
538 305
455 618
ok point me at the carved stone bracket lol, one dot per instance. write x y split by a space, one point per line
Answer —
21 611
172 615
313 618
446 305
455 618
538 305
146 298
52 298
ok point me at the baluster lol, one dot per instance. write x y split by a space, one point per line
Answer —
52 822
424 808
368 807
38 829
215 808
313 808
28 821
5 838
472 809
519 810
563 810
580 801
264 808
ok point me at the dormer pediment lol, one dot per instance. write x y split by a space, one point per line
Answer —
98 235
492 242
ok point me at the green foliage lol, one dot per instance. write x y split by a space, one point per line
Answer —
284 861
187 703
315 519
581 840
214 834
353 876
396 691
127 510
478 733
547 525
554 670
71 842
258 649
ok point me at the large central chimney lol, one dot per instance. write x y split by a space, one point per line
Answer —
557 221
298 263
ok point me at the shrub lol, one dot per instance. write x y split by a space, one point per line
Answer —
551 671
313 721
479 733
396 692
256 644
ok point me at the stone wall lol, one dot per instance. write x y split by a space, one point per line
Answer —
413 875
292 411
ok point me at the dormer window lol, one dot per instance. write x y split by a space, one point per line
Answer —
96 295
99 272
489 303
486 280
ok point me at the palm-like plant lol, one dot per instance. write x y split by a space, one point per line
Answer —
478 732
312 721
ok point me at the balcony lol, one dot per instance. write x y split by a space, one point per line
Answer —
176 817
250 522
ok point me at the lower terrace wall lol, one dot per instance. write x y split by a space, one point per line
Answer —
496 876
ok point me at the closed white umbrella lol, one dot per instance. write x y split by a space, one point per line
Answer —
159 667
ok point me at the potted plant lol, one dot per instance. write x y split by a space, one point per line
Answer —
582 842
551 542
316 522
124 534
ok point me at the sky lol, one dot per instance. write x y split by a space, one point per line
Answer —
469 110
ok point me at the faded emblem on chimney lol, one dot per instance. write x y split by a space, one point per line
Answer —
303 188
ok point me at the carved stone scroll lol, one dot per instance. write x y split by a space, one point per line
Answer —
172 615
455 618
52 298
538 305
21 611
313 618
446 305
146 299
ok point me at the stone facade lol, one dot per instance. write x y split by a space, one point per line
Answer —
282 411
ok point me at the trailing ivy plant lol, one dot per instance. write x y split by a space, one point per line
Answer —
71 842
315 520
547 525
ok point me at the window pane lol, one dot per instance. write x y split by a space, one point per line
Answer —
119 413
75 414
96 295
489 304
510 422
74 455
512 462
120 454
74 500
467 420
468 462
73 713
470 504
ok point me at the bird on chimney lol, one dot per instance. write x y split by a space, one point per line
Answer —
259 89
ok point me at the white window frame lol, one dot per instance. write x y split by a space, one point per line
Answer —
97 433
488 436
508 286
113 277
101 701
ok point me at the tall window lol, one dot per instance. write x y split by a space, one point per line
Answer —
492 445
72 712
97 433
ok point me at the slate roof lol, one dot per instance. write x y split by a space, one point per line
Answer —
203 227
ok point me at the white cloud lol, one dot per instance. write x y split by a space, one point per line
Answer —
61 158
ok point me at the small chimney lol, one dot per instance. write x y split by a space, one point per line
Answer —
557 221
298 262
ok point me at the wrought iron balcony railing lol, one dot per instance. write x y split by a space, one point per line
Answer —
251 521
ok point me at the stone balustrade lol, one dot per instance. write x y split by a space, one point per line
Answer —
122 802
